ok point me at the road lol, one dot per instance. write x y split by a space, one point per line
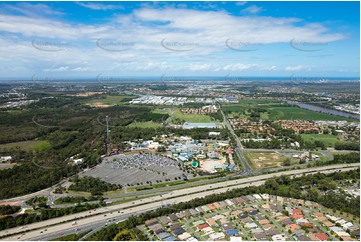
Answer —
87 218
325 153
239 147
47 192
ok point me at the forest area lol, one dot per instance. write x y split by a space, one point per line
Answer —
69 129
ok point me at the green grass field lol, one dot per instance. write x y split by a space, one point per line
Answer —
143 125
328 139
289 112
110 100
234 108
71 237
27 145
161 111
240 109
257 101
194 118
323 158
277 110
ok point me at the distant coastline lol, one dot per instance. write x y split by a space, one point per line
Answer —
175 79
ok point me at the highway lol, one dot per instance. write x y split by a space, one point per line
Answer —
239 147
101 215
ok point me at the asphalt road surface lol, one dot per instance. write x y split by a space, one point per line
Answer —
239 147
103 214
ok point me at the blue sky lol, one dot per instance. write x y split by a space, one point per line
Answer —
88 39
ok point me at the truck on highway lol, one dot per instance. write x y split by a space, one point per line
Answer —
74 223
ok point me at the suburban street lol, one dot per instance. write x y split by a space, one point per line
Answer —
88 219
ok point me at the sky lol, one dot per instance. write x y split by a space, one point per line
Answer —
40 40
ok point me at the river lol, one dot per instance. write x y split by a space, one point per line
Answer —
323 110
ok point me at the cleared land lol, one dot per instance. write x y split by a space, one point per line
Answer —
26 145
4 166
193 118
109 101
149 124
261 160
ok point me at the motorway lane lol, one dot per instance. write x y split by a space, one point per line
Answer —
33 235
142 208
157 201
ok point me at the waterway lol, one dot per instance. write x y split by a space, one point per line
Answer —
324 110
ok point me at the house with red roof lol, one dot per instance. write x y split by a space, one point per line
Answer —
202 226
296 211
321 236
297 216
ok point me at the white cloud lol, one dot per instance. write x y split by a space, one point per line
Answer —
238 67
61 68
295 68
269 68
210 29
100 6
199 67
31 9
252 9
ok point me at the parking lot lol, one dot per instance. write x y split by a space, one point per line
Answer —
136 169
